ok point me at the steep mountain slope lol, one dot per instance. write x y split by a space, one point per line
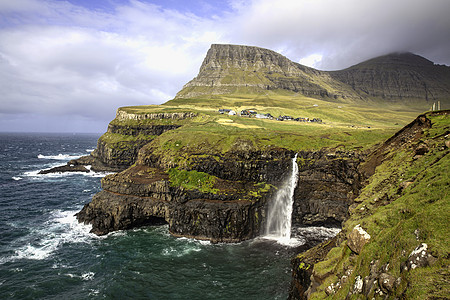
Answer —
234 69
245 71
398 76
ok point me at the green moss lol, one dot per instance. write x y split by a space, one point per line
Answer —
192 180
304 266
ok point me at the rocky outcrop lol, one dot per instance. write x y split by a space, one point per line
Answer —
142 195
65 168
357 239
328 182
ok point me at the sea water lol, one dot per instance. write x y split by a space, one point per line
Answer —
46 254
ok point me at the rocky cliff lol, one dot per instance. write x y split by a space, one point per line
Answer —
212 206
229 69
211 187
395 243
328 182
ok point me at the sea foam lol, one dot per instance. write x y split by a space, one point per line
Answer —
59 156
62 227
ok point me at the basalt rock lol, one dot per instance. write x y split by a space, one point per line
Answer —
328 182
144 196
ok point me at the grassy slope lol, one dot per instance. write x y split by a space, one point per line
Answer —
400 220
345 124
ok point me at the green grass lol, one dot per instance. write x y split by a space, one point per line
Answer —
346 126
399 220
192 180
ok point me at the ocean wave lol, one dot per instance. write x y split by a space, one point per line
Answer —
90 150
180 250
59 156
62 227
16 178
84 276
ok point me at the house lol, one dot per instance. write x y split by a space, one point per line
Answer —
244 113
224 111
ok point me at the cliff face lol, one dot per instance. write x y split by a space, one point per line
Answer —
229 69
394 243
202 191
223 209
328 182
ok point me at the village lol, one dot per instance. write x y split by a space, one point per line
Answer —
254 114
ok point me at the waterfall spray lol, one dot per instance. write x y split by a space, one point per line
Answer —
279 217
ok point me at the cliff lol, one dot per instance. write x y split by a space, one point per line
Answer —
395 242
211 180
234 69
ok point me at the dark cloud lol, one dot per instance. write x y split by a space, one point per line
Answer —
346 32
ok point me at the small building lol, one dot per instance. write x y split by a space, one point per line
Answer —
224 111
231 113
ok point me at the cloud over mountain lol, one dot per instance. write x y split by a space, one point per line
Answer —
70 59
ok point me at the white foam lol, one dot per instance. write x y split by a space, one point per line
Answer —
17 178
90 150
285 241
181 250
35 174
59 156
62 227
88 276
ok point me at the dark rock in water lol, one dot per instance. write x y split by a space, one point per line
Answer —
66 168
143 195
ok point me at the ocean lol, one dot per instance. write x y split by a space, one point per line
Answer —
46 254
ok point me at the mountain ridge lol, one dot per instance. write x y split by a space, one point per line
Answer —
396 77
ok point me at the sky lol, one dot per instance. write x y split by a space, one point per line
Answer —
67 65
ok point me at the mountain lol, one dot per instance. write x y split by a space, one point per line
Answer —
234 69
238 70
398 76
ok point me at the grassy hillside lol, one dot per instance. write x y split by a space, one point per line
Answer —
405 204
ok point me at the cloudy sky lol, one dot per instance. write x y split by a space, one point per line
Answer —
66 66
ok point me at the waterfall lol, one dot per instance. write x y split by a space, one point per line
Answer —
279 215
